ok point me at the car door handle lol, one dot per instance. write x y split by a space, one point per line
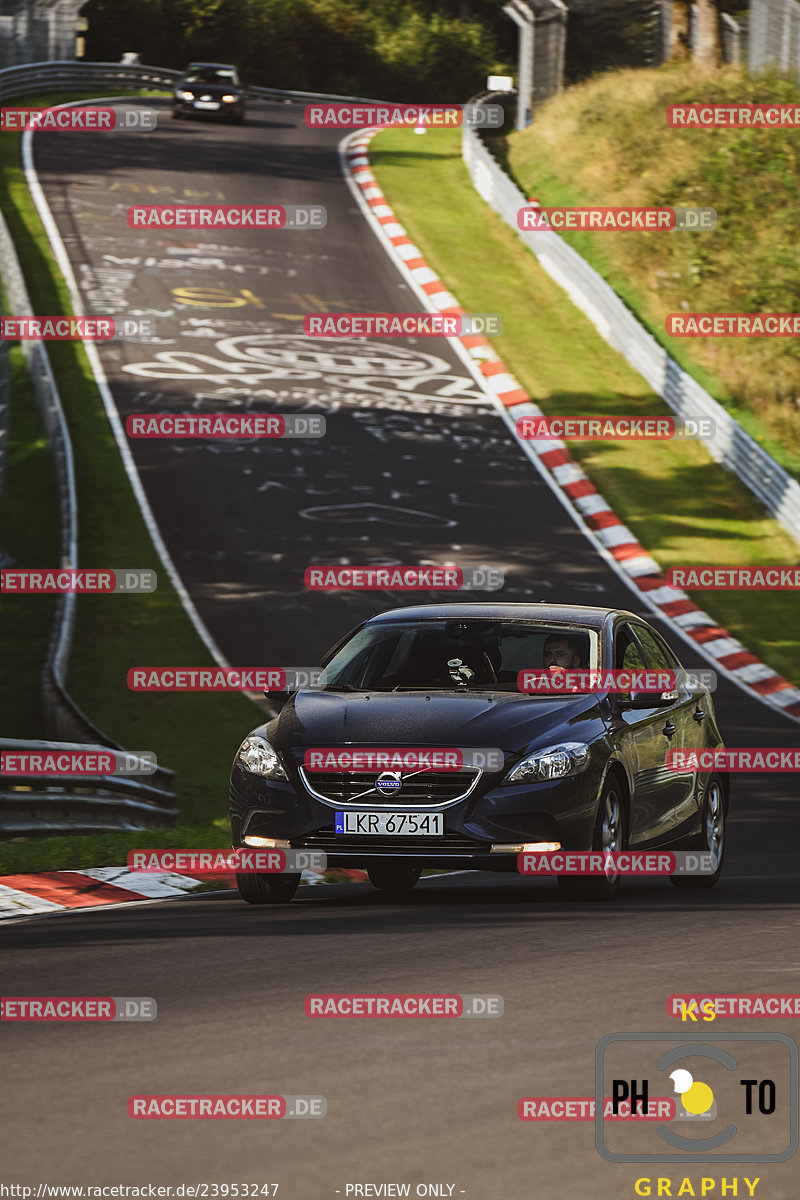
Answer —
699 716
668 730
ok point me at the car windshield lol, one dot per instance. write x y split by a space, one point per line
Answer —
456 654
209 75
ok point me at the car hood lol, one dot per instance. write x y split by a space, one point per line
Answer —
506 721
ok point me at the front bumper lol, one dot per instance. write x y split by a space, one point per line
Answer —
235 109
561 810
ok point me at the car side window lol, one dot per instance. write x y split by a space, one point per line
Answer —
657 654
627 655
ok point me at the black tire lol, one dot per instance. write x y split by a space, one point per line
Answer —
609 834
176 114
715 815
394 877
267 889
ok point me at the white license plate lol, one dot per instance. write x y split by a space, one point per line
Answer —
391 824
206 104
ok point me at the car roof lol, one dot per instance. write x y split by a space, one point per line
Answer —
556 614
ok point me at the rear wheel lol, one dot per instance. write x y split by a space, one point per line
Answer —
714 818
267 889
609 834
394 877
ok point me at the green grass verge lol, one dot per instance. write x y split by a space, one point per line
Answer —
680 504
20 856
595 145
28 518
194 734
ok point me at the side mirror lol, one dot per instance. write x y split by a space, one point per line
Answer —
650 699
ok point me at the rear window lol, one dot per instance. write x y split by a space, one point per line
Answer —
209 75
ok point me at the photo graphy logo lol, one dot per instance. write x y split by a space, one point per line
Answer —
736 1096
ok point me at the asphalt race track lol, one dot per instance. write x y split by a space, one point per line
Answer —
416 465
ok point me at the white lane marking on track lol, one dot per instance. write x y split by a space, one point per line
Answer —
145 883
65 266
14 903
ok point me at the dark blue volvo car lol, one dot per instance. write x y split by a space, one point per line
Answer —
578 770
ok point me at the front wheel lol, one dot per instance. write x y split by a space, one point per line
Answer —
393 877
609 834
267 889
714 820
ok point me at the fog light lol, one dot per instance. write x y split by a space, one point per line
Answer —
524 847
269 843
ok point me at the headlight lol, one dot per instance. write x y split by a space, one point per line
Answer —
186 95
258 757
228 99
554 762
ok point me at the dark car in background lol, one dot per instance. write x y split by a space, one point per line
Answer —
210 90
578 771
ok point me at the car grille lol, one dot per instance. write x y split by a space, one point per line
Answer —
450 843
424 789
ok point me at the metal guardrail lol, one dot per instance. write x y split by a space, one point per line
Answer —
32 805
732 447
35 77
63 719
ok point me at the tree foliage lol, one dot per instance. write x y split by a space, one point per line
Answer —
418 51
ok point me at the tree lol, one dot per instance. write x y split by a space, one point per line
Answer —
679 31
706 46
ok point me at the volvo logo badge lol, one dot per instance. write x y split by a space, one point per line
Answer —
389 782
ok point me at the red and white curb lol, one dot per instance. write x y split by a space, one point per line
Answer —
99 887
615 542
